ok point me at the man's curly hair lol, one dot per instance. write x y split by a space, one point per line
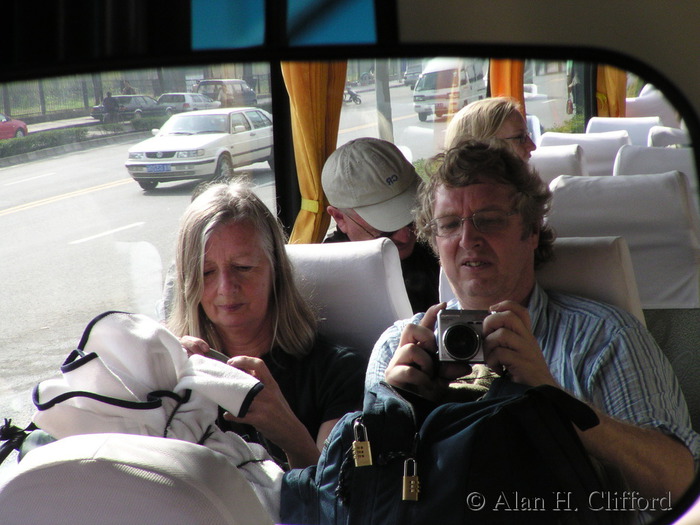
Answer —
470 162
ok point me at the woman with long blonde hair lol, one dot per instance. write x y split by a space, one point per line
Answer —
235 292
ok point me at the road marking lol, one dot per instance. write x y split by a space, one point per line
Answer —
109 232
57 198
373 124
30 178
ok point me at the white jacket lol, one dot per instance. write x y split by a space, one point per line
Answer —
131 375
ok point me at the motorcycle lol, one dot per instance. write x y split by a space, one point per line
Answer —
351 96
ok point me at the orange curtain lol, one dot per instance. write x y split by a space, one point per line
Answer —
611 91
506 79
316 97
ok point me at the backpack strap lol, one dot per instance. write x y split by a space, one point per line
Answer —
571 408
13 437
391 428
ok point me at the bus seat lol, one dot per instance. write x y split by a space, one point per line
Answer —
651 103
663 136
637 127
599 149
599 268
122 479
640 160
356 287
655 216
552 161
534 127
677 333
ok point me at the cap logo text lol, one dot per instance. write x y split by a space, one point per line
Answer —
391 180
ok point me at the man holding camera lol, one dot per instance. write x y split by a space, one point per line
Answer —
483 213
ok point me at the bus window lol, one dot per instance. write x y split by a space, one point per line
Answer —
80 236
548 90
558 97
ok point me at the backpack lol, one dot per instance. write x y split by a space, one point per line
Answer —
510 457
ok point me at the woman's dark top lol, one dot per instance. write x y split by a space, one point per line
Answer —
325 384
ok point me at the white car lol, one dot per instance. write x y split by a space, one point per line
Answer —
206 144
179 102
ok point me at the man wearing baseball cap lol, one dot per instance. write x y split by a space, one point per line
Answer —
371 189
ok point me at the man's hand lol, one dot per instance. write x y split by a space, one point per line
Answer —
414 365
510 346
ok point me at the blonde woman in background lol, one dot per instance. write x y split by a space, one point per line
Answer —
492 120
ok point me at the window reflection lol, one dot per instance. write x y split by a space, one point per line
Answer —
86 219
79 235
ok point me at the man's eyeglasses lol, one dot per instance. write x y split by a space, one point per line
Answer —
487 221
377 235
520 139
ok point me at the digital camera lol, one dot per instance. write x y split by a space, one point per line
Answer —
460 336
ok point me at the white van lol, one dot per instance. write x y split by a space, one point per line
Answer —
448 84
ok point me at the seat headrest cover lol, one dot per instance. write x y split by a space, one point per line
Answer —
356 287
123 479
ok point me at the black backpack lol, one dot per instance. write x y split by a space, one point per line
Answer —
511 457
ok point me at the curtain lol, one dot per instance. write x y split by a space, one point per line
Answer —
506 79
611 91
315 98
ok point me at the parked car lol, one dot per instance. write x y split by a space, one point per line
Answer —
410 76
11 127
178 102
205 144
230 92
131 107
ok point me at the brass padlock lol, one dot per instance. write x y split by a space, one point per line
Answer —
411 485
361 450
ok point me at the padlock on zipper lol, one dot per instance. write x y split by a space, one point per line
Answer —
361 450
411 484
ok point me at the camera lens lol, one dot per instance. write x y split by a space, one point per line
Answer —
461 341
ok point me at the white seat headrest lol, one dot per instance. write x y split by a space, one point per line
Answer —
122 479
655 215
357 288
662 136
640 160
552 161
637 127
599 149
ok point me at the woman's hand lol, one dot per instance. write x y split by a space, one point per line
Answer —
272 416
194 345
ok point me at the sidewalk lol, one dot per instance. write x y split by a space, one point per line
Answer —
89 121
97 139
65 123
75 146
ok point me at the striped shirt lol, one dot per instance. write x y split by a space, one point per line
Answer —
597 352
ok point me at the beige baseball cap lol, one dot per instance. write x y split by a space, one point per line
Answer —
372 177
